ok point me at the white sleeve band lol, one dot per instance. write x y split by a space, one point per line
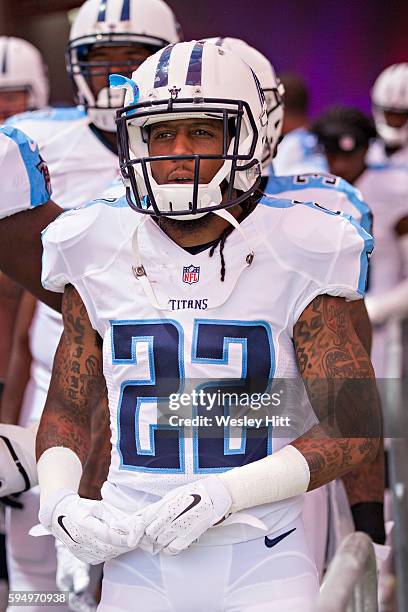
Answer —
58 468
279 476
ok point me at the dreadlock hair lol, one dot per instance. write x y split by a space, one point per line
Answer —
246 208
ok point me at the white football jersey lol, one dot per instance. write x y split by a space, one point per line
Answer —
24 175
298 153
81 167
386 189
331 191
202 330
377 155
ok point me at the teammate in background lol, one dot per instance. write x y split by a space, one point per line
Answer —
80 147
297 152
345 135
389 98
23 86
151 342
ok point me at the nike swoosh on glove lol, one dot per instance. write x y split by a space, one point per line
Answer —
89 529
183 515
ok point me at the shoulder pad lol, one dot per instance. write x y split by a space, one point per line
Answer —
79 241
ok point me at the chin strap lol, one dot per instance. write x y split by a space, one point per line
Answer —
140 274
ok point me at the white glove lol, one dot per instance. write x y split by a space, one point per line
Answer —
183 515
90 529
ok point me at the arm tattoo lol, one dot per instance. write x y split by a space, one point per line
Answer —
77 382
340 383
97 463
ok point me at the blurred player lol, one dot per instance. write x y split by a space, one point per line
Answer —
80 146
389 98
23 86
297 152
345 134
164 319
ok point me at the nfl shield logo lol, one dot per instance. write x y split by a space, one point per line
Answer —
191 274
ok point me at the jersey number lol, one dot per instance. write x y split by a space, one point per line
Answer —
146 445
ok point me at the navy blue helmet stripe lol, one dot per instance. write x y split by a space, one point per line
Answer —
162 71
102 10
125 15
195 67
4 60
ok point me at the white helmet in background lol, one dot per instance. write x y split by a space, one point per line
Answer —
390 93
271 86
118 23
22 68
187 81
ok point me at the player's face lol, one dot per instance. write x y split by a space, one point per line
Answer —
186 137
396 120
347 165
123 60
12 102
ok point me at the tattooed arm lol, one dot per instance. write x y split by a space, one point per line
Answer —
340 383
77 383
85 526
97 463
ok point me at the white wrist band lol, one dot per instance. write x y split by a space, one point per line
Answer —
279 476
58 468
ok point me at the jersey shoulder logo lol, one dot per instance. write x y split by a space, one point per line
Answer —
43 168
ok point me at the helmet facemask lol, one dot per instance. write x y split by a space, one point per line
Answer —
237 178
101 103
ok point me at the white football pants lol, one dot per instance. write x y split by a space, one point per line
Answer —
245 577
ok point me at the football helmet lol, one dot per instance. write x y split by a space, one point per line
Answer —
272 87
22 68
118 23
186 81
390 93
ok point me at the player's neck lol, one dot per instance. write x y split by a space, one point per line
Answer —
294 122
197 232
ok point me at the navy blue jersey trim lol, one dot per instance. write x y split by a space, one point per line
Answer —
125 15
195 67
162 70
102 10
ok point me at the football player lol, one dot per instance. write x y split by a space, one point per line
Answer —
80 147
182 290
297 153
23 86
389 98
345 134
